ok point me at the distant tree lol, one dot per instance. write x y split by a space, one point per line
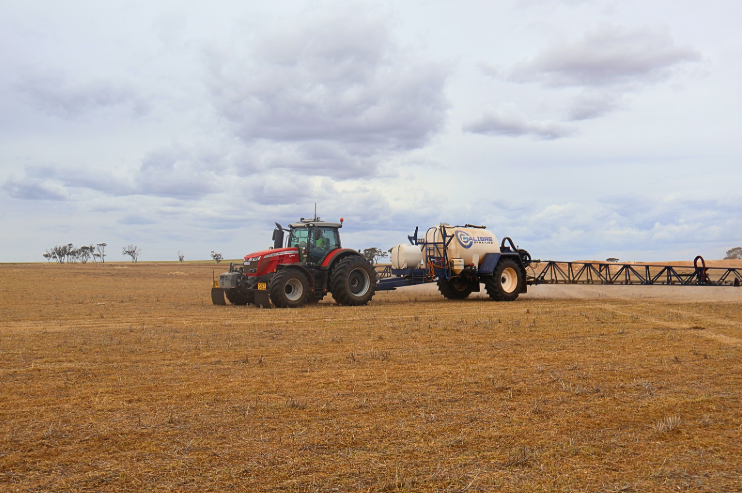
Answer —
84 253
60 252
133 251
374 254
216 256
71 253
734 254
612 259
101 249
48 256
180 256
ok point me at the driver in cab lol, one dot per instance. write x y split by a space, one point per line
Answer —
321 245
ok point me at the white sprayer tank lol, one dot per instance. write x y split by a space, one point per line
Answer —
469 245
406 257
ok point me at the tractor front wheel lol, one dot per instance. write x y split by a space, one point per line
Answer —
506 282
353 281
289 289
236 297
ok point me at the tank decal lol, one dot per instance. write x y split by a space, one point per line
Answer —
466 240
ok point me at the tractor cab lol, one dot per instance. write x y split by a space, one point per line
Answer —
312 237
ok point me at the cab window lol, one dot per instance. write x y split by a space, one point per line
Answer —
299 237
327 239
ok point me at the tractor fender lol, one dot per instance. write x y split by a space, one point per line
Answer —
310 277
333 257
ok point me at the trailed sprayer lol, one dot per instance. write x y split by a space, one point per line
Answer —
460 259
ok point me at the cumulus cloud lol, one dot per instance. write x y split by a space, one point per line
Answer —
650 228
174 172
509 121
55 93
609 55
336 87
35 185
179 173
489 70
593 104
136 220
532 3
607 62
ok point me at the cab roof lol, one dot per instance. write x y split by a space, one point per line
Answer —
320 224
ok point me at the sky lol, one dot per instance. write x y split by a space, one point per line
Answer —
582 129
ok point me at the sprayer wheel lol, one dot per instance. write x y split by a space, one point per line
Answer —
353 281
454 289
506 282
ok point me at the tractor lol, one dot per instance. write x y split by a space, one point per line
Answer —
310 264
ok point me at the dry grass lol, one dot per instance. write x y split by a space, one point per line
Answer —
125 378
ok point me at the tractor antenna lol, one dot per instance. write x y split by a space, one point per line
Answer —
315 212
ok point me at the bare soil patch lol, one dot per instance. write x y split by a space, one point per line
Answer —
128 379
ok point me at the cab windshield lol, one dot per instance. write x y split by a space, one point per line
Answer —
298 237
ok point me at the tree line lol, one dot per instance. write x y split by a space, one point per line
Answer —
71 254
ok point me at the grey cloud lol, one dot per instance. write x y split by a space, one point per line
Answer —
508 121
323 158
280 190
609 55
646 214
55 94
489 69
170 172
136 220
338 82
592 104
178 173
532 3
35 186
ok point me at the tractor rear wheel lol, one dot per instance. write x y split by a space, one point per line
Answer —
353 281
454 289
289 289
506 282
236 297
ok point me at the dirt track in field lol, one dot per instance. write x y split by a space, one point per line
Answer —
124 377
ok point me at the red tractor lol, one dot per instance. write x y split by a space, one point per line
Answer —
311 264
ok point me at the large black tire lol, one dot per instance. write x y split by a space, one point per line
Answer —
237 298
289 288
506 282
353 281
454 289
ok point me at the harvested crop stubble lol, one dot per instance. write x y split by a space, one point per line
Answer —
130 380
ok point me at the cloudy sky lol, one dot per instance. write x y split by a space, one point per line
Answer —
580 128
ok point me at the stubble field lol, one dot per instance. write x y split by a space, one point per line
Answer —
123 377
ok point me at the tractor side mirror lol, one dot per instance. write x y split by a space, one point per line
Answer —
278 237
